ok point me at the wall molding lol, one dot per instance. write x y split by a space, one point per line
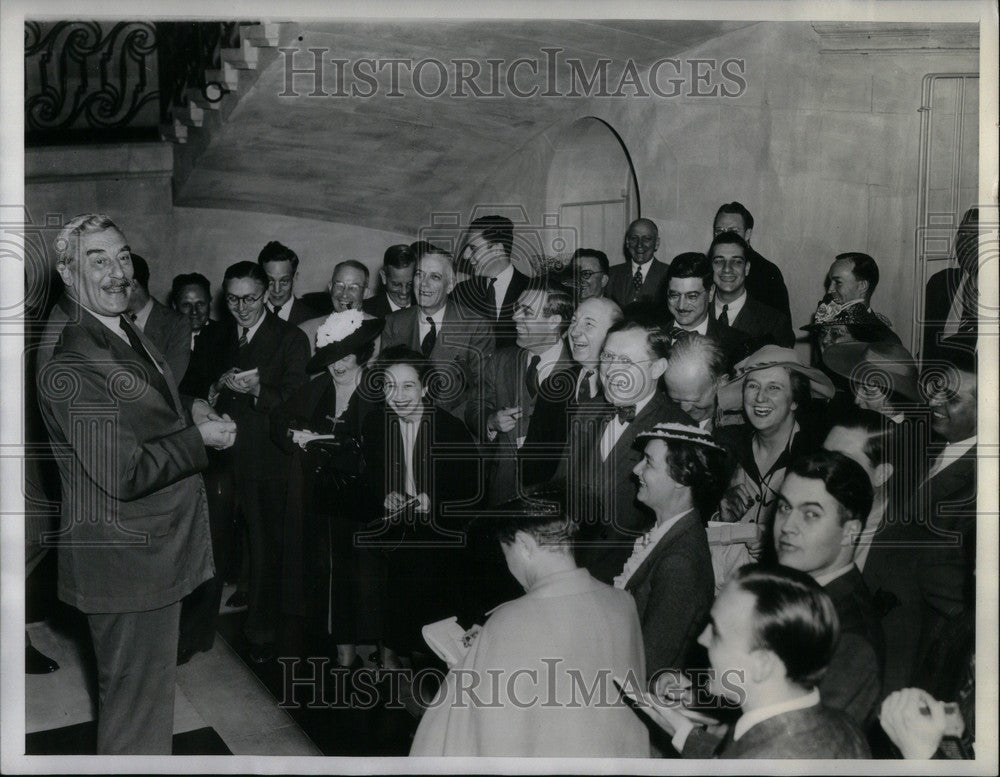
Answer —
896 38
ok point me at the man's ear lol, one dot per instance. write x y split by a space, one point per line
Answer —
864 286
763 665
604 280
746 268
851 530
381 275
526 543
747 233
657 368
65 273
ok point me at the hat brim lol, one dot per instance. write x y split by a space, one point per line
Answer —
731 394
845 358
369 330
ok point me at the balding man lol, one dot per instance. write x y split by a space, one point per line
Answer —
696 369
347 290
641 276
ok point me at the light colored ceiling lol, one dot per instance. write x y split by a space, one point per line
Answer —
384 162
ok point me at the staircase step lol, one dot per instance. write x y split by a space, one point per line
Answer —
227 75
260 34
243 58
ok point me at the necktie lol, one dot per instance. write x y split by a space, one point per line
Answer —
531 376
625 413
677 333
637 281
585 392
724 318
133 340
427 344
970 307
277 309
132 317
491 298
243 337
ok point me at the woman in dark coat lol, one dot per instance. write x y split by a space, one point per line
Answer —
326 580
422 479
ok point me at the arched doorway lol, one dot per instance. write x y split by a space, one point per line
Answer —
592 186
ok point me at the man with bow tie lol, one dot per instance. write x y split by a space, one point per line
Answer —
633 359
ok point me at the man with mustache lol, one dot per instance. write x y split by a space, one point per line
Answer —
134 533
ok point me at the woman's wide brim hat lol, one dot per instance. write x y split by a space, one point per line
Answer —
352 342
854 313
883 364
674 432
731 394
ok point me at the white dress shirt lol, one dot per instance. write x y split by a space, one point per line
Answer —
750 719
734 307
286 309
438 319
114 324
642 268
548 360
409 431
829 577
952 452
142 316
500 287
251 331
615 429
956 310
701 329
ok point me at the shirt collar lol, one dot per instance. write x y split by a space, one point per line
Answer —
750 719
829 577
734 307
504 278
252 330
438 317
701 329
643 268
111 322
142 315
549 356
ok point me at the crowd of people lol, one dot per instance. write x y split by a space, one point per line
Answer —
623 482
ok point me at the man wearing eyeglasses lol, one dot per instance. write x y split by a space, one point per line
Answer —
733 307
281 265
641 277
589 274
262 362
347 292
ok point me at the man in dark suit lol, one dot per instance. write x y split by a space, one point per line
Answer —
521 419
457 342
689 291
951 302
168 330
640 278
191 295
261 365
696 372
733 306
633 359
134 537
766 284
396 274
769 638
496 285
588 329
281 266
824 502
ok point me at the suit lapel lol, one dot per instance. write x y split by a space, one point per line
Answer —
666 541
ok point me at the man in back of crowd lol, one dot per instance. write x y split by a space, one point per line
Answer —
766 283
734 307
396 273
640 278
347 290
167 329
281 266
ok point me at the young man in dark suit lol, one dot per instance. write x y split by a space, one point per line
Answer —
521 420
455 341
766 284
262 363
769 638
169 331
951 301
824 502
496 285
134 535
633 359
733 307
640 278
398 266
281 266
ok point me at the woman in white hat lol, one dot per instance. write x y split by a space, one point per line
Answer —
772 386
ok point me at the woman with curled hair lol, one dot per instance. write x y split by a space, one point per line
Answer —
535 655
669 574
422 478
775 390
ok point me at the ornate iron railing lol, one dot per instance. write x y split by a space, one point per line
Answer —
93 81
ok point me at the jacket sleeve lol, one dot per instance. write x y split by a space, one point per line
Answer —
675 613
483 403
122 457
178 352
852 682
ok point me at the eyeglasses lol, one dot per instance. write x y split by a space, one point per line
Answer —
233 301
340 288
586 275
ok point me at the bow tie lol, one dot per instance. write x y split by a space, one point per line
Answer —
625 413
